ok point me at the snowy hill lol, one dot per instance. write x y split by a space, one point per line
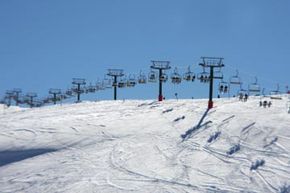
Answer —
146 146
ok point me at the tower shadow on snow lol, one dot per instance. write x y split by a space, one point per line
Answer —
200 124
11 156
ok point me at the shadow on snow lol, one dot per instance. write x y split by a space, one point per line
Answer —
11 156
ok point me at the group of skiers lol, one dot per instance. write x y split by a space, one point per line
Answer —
243 97
265 104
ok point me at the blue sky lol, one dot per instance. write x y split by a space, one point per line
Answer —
44 44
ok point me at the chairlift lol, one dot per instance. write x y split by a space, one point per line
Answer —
175 77
152 76
107 82
90 88
122 83
131 82
189 76
142 78
163 77
236 80
218 74
223 87
69 92
100 85
277 91
204 77
254 88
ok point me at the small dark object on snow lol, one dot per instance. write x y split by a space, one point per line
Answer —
257 164
234 149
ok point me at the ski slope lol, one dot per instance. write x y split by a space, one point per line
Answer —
136 146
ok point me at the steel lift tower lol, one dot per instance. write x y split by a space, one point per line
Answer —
17 92
54 92
78 82
115 73
31 96
211 63
160 66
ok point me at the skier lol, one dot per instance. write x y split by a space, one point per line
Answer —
221 88
265 104
226 89
241 96
269 104
246 97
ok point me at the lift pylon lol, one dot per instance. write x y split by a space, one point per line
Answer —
211 63
115 73
161 66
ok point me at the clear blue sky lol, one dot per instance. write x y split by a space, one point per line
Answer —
45 44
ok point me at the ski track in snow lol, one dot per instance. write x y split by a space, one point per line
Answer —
135 146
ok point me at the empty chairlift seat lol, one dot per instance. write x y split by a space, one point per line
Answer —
254 88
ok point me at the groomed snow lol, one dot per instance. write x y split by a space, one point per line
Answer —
136 146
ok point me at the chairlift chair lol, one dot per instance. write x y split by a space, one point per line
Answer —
122 83
90 88
142 78
203 77
163 77
107 82
152 76
236 80
277 91
218 74
189 76
223 87
69 92
175 77
131 82
254 88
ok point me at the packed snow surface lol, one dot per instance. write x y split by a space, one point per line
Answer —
146 146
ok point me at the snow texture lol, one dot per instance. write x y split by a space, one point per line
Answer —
136 146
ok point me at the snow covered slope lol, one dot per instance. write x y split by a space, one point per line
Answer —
146 146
